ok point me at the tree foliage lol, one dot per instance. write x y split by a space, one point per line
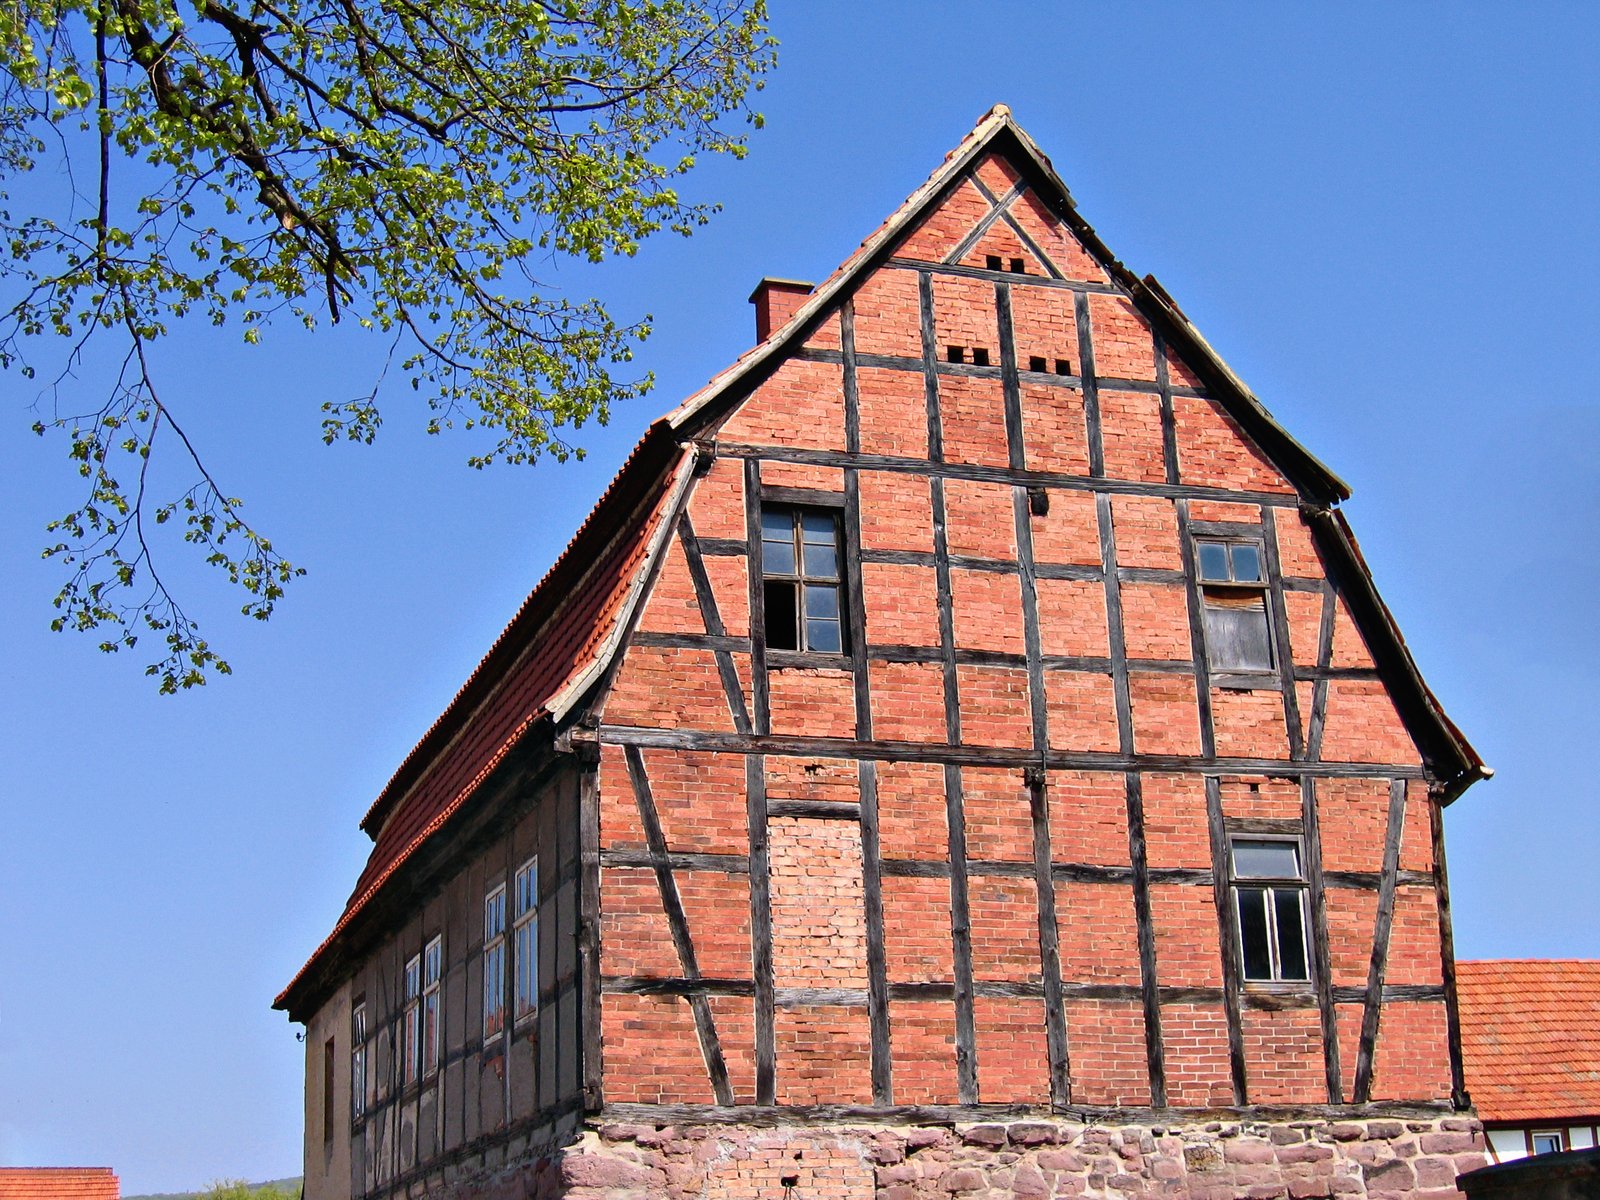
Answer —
410 166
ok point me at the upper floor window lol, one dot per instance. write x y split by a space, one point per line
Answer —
494 962
1269 890
801 579
1546 1142
432 970
525 939
358 1061
411 1018
1233 589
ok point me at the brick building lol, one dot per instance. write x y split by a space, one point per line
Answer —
59 1183
963 751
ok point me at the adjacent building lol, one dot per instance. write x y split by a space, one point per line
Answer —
1530 1037
963 751
58 1183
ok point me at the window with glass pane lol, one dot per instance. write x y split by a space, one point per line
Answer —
432 965
358 1061
1269 899
494 963
1547 1143
413 1018
801 579
1233 589
525 939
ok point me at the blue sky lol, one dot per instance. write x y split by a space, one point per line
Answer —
1383 217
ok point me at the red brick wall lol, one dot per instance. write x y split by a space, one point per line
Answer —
820 907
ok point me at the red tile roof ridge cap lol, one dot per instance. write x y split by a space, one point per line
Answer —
1491 962
393 803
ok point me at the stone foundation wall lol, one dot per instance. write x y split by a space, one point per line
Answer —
1028 1160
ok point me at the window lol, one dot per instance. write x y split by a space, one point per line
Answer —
1547 1142
1269 898
432 961
412 1018
1233 589
801 580
358 1061
525 939
494 963
328 1052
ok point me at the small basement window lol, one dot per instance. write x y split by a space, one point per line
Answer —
1547 1142
1269 890
1233 591
801 588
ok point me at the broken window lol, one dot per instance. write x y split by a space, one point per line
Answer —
801 579
1233 591
1269 891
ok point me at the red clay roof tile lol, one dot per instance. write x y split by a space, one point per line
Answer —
58 1183
1530 1037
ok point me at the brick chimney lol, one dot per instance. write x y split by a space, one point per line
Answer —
777 300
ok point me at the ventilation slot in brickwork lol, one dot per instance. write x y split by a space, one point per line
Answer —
996 263
980 356
1040 365
955 354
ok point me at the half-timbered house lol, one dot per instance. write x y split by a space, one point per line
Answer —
964 750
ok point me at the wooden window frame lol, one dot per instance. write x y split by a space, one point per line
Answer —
494 963
1259 590
411 1020
525 943
1271 885
432 1004
798 501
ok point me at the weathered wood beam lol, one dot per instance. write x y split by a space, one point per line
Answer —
996 756
1372 1009
1228 938
706 598
980 473
678 923
1321 954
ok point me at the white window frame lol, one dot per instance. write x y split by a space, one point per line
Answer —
525 939
1535 1134
1272 886
358 1061
411 1020
432 1003
494 963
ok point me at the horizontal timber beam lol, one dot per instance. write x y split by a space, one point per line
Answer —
993 756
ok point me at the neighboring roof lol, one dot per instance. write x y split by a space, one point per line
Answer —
1530 1037
562 639
58 1183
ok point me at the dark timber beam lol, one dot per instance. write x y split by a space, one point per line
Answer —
704 1023
1322 957
939 469
1372 1009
